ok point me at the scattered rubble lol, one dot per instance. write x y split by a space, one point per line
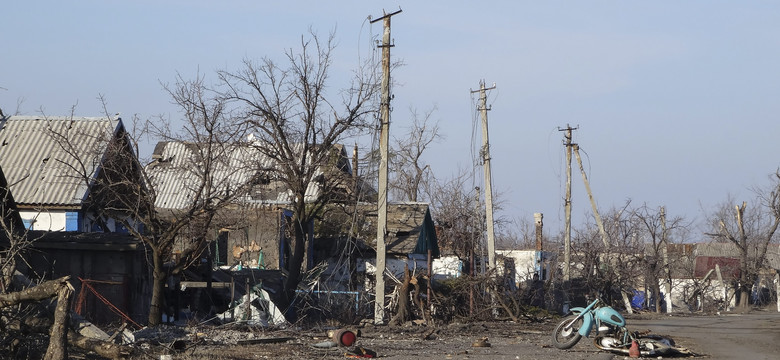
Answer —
258 311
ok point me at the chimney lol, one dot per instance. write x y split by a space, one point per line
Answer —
539 225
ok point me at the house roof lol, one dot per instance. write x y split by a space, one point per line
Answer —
176 171
93 241
406 222
729 250
697 259
42 170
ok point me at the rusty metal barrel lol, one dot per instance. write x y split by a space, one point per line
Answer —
344 337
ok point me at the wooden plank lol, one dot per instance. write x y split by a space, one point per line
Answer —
203 284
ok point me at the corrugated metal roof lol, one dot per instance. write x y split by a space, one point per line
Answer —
177 169
42 169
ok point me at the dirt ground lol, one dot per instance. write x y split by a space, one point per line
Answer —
491 340
726 335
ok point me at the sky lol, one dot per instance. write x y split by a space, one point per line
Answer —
675 102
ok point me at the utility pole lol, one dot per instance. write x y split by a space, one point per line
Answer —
473 264
665 252
567 205
599 223
485 152
384 138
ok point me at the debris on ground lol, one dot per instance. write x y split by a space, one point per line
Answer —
483 342
361 352
343 337
325 345
257 309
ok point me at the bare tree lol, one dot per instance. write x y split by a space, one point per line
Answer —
209 140
14 242
519 233
751 230
410 174
124 190
457 215
656 232
610 270
296 124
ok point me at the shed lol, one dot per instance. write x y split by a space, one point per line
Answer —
107 269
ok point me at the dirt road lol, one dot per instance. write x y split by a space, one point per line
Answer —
730 336
727 336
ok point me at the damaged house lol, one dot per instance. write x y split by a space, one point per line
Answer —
55 167
345 249
250 239
705 276
411 240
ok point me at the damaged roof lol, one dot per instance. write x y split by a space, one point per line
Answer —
410 229
177 168
43 156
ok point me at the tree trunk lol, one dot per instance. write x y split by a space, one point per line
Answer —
657 299
744 280
102 348
402 315
657 293
158 286
58 337
58 334
294 266
7 274
418 300
40 292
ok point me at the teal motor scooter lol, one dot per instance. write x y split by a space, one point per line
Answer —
610 332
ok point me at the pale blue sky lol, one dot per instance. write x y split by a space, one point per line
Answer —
676 101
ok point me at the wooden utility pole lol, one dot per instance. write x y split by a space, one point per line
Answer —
472 255
665 253
485 152
599 223
567 205
384 138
